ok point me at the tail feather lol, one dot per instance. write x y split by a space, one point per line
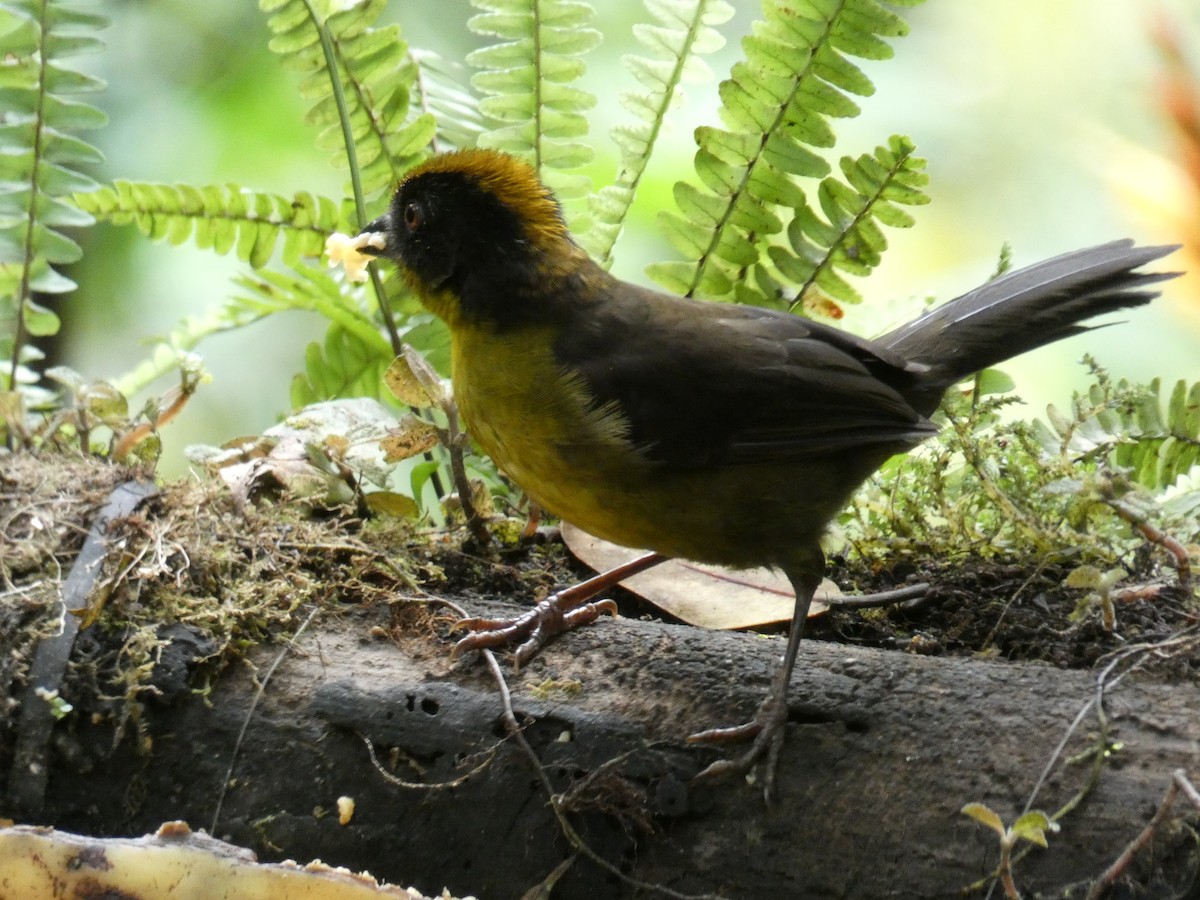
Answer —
1024 310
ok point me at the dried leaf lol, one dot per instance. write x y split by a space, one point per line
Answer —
984 816
390 503
408 438
40 862
701 595
414 382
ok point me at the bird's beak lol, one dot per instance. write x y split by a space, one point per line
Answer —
379 228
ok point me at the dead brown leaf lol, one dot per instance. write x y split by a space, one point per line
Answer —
702 595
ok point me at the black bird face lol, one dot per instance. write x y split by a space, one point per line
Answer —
465 223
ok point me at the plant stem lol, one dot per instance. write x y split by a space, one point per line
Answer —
360 204
24 289
1006 878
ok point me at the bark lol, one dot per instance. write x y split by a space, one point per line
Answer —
882 751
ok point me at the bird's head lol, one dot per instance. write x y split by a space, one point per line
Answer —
472 229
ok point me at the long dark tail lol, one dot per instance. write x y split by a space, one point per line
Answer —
1024 310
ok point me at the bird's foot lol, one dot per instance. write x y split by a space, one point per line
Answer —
765 731
558 613
531 630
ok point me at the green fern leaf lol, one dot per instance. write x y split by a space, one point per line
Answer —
264 294
343 366
777 106
848 240
223 218
374 76
1159 447
38 156
1127 424
165 356
440 91
527 82
685 29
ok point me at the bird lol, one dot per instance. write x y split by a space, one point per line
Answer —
713 432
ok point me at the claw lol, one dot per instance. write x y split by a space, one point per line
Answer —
489 633
556 614
534 629
766 730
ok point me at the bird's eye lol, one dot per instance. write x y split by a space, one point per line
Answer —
414 216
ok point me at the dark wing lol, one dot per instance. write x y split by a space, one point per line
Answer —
708 384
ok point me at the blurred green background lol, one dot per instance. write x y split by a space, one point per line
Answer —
1042 123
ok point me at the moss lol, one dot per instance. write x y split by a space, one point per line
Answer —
189 561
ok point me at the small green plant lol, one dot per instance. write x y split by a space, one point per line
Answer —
1088 489
41 162
1031 827
1100 592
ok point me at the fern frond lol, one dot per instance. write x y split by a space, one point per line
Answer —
777 106
848 239
1163 446
374 77
1181 498
355 354
685 29
527 81
1129 425
441 90
223 218
165 355
38 158
266 293
310 288
344 365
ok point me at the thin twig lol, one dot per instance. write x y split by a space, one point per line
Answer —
1036 573
422 785
258 694
1179 784
573 837
880 598
1105 681
1176 550
455 443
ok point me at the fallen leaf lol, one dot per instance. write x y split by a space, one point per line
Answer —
702 595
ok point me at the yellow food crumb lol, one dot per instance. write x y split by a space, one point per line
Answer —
345 807
346 251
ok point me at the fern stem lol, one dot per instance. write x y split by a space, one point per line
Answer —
743 185
423 98
863 214
537 86
24 289
360 204
660 115
339 99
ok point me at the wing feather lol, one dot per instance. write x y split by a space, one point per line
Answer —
706 384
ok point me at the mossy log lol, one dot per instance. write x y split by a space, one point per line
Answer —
883 750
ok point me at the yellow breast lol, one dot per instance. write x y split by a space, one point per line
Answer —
537 421
540 424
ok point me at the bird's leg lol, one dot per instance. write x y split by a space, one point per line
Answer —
559 612
767 727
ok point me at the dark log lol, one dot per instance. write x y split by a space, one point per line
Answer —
883 750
